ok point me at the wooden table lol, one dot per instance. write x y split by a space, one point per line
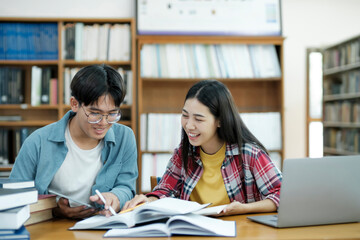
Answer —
246 229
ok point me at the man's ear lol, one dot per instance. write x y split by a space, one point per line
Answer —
74 104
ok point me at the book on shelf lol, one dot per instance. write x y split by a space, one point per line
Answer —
14 218
11 198
209 61
189 224
152 164
10 118
162 208
21 233
96 42
11 85
15 183
29 41
128 81
10 143
167 125
266 127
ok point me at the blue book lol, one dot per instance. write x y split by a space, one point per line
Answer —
21 233
2 42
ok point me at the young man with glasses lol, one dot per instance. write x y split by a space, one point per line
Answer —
86 150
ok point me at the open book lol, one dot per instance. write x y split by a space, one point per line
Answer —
189 224
211 211
162 208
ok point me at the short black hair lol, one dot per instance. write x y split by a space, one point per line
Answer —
92 82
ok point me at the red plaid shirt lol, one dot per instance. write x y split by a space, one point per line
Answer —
256 179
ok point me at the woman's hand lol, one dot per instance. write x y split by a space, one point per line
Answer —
236 207
111 200
138 199
65 211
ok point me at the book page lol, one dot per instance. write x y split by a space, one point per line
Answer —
194 224
211 211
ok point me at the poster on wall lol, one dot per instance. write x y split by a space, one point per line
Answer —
209 17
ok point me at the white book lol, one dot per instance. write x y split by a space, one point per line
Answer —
159 209
11 198
163 61
67 80
129 87
14 218
266 127
173 58
79 28
146 171
189 53
201 62
265 61
125 48
103 42
15 183
143 131
228 59
147 68
190 225
36 74
112 43
215 64
221 61
244 61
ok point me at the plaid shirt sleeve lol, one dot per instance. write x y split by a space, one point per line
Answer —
265 174
171 182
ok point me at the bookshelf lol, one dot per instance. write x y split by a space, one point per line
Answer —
54 54
341 99
164 95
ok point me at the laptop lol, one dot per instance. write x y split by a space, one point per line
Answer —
317 191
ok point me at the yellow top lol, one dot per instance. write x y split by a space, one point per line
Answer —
211 188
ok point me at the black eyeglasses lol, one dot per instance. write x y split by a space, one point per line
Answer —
94 118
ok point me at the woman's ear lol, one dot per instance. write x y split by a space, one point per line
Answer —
74 104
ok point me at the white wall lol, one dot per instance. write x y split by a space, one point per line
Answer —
309 23
68 8
306 23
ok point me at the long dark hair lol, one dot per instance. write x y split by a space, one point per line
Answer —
217 97
94 81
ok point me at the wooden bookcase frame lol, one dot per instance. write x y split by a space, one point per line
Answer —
347 57
38 116
166 95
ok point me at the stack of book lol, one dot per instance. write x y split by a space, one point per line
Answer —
19 206
163 218
42 210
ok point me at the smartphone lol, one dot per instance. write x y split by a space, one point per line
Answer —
71 199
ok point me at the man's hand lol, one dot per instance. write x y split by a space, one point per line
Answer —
111 200
65 211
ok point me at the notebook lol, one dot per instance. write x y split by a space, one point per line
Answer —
317 191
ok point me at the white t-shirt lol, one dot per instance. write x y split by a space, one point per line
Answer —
77 173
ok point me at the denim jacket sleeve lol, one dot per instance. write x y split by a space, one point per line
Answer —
119 172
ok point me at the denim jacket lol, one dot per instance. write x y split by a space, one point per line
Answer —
44 151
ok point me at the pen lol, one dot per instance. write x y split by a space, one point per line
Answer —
104 201
130 209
